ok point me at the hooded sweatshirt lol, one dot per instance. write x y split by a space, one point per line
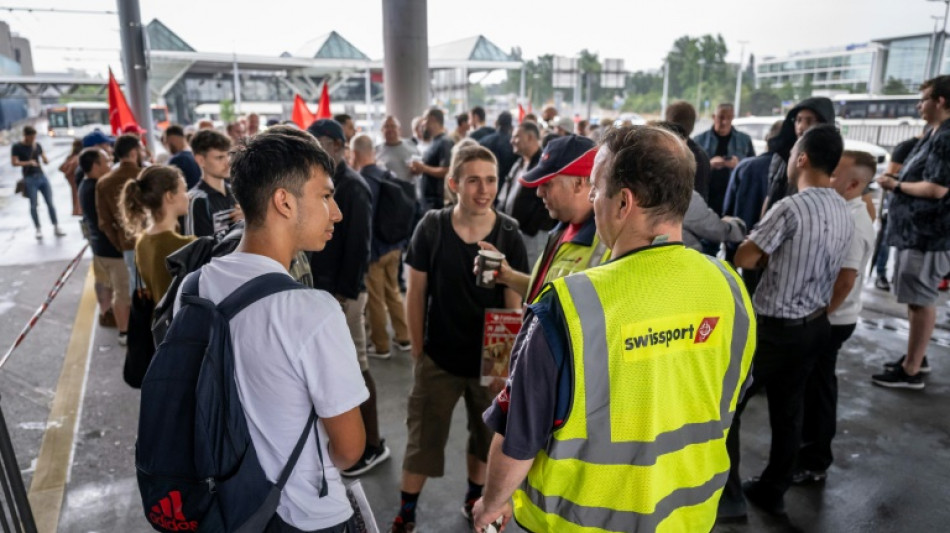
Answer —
781 146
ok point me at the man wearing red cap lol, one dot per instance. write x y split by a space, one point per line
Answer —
562 180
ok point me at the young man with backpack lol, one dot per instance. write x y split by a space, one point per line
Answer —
382 282
286 361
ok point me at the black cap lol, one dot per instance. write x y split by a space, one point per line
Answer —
326 127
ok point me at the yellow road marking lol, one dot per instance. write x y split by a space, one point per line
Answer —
52 465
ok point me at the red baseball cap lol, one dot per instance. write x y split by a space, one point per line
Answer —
571 155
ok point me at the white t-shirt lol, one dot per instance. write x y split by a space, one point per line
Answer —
859 253
292 351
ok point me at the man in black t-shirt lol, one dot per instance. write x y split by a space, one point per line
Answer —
27 155
211 206
883 251
725 146
435 161
182 156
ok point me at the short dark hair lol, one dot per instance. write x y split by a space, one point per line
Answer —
461 118
205 140
175 130
281 157
862 159
88 158
939 86
670 126
532 128
655 165
125 143
530 117
682 112
479 112
504 121
342 118
28 130
824 146
437 114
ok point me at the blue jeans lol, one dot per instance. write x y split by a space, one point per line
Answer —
37 183
129 257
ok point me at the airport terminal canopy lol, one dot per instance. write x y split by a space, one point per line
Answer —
473 54
171 57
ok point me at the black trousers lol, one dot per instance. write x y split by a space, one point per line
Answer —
783 361
821 404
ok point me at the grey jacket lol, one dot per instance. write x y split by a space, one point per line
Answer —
701 222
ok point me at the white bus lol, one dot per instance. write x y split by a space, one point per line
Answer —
76 119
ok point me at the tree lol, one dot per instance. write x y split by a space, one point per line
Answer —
227 111
895 86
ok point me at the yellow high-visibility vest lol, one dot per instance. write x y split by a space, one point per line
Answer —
662 340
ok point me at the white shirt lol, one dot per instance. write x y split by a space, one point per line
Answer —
292 351
859 253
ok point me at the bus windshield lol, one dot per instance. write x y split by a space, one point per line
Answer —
58 119
85 117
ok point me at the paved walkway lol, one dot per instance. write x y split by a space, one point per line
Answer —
892 450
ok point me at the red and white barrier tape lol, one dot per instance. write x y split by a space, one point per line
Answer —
42 309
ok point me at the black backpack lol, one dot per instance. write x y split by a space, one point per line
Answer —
196 465
395 209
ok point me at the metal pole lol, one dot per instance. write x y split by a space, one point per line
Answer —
664 100
590 94
942 40
132 35
406 60
699 86
369 99
237 88
739 78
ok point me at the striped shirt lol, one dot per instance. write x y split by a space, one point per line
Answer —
806 236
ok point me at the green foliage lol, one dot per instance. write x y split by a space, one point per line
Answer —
227 111
477 95
895 86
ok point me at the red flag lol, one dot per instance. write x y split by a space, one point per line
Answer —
120 114
323 108
520 114
301 114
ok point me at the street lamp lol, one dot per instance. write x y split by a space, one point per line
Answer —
941 41
739 77
699 86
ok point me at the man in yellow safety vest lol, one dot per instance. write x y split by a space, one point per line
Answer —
625 377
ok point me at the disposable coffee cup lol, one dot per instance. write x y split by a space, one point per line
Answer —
489 262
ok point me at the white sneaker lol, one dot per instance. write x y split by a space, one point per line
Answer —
39 234
58 232
123 339
403 346
371 352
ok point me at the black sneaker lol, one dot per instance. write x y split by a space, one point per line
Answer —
882 284
924 365
371 457
758 496
467 509
896 378
808 477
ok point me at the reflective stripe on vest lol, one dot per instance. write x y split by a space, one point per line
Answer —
598 448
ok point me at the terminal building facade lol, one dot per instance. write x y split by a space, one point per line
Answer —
858 68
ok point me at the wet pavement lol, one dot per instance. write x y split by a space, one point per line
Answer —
892 450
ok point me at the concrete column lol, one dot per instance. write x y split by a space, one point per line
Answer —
132 34
405 60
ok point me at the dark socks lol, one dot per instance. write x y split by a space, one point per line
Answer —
474 491
407 509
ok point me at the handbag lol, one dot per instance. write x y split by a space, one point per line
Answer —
21 188
140 347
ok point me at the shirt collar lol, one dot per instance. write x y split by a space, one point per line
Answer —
585 236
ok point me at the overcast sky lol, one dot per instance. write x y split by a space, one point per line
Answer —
638 31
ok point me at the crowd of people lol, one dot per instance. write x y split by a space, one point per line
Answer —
650 264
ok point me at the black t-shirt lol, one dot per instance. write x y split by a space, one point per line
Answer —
719 177
439 154
100 244
455 308
902 150
25 153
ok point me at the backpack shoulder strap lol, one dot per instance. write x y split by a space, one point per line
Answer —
260 287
